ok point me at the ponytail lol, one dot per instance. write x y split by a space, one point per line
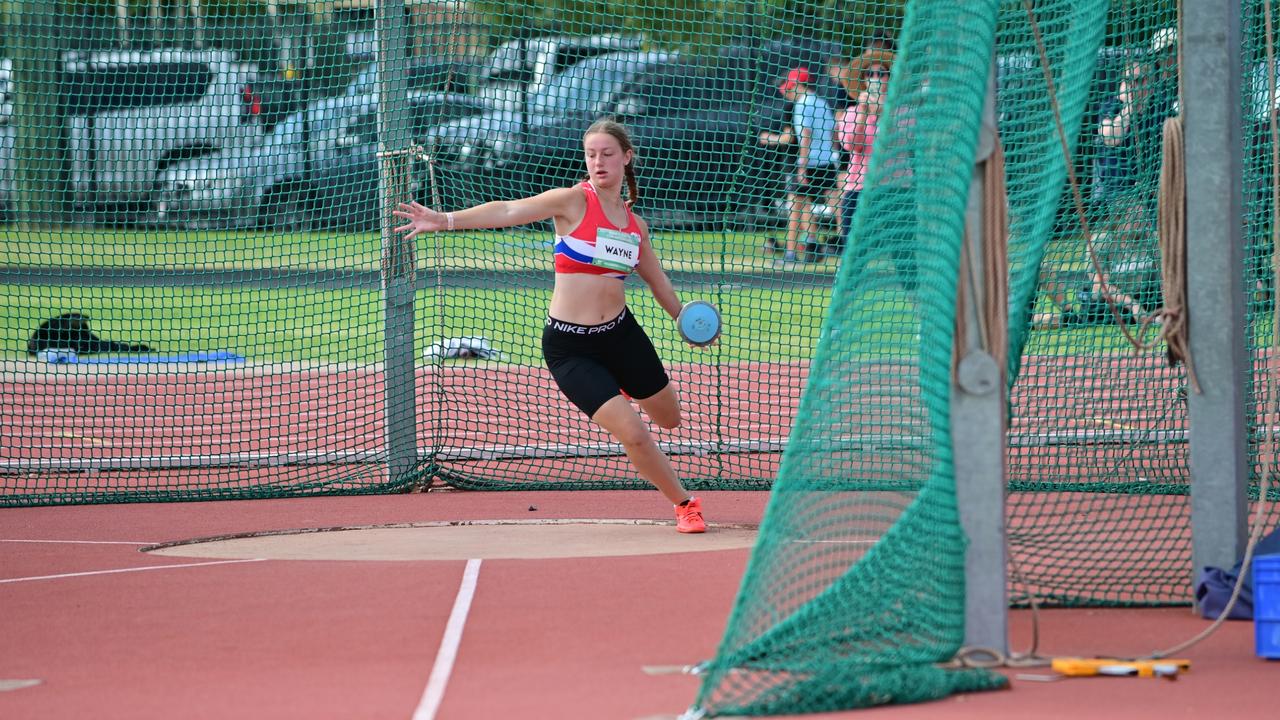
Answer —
633 187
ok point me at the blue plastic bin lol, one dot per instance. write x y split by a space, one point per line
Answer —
1266 605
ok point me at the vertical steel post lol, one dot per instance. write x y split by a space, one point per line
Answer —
1212 122
978 423
399 258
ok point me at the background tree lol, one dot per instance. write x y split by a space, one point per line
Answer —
695 25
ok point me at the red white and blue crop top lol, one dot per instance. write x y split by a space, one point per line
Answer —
597 246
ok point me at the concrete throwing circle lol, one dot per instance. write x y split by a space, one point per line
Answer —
464 540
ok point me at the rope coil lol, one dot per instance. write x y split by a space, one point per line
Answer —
1171 226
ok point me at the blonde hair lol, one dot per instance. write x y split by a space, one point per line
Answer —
619 132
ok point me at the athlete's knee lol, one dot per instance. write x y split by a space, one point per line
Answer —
621 420
663 408
633 435
667 420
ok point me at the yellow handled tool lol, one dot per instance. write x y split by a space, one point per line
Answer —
1086 667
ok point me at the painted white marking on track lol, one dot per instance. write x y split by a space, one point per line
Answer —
7 685
79 542
448 653
124 570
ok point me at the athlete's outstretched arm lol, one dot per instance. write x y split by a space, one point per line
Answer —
498 214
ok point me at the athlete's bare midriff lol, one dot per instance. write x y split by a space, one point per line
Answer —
585 299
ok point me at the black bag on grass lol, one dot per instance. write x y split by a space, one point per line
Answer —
70 331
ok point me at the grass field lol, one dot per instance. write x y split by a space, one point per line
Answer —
513 249
345 325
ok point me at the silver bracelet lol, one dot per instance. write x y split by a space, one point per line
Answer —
448 218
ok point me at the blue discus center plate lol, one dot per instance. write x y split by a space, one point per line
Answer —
699 322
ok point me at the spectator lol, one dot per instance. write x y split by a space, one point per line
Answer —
834 87
899 212
1127 275
857 133
1164 53
870 57
882 39
813 130
1129 136
873 61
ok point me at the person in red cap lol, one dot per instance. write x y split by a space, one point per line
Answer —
813 126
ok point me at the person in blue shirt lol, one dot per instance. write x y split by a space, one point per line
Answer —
812 129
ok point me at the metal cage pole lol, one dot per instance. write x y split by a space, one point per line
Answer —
978 420
399 258
1219 460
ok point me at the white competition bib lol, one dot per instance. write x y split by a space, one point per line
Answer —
616 250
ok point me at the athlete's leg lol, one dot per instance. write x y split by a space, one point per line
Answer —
624 423
663 408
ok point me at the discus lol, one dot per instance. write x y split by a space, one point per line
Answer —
699 323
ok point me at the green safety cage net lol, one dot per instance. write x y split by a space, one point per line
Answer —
205 298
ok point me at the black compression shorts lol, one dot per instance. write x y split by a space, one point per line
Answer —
591 363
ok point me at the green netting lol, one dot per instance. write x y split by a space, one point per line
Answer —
854 596
213 180
855 591
206 182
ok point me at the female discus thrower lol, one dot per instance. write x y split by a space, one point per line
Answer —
592 343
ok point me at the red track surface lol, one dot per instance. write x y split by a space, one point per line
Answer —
544 638
212 430
94 415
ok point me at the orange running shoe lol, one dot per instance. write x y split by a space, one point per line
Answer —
689 517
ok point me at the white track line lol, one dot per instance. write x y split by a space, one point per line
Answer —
125 570
434 692
78 542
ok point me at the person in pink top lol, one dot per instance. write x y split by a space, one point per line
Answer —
857 133
598 354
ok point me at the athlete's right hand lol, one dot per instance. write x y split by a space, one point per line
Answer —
421 219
